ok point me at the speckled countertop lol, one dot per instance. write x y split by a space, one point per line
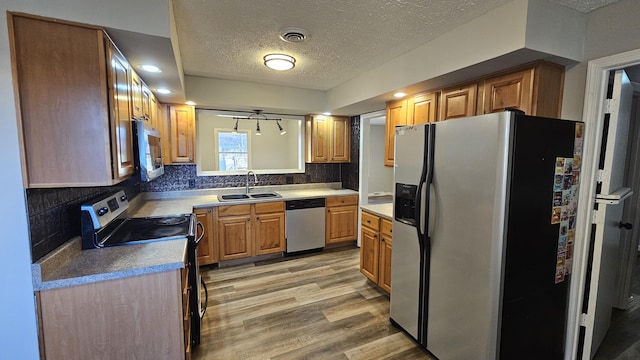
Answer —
182 202
70 265
384 210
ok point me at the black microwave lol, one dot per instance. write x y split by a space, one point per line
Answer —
148 151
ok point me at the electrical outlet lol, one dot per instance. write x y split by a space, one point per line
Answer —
192 183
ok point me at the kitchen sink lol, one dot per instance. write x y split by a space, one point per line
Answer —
265 195
233 197
241 197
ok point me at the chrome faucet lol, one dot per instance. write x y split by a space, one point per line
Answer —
255 181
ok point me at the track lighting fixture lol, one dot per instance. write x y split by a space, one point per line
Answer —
282 131
257 116
235 128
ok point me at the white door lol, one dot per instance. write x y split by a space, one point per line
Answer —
609 203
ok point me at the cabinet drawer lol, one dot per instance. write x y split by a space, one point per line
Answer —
231 210
342 200
371 221
386 227
269 207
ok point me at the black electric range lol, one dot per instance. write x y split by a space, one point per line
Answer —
105 223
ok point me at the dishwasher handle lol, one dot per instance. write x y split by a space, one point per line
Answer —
305 204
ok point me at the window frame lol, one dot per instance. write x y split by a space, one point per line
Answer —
217 152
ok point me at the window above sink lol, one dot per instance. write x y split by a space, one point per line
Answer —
268 153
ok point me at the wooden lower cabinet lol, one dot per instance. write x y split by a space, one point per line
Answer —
341 219
375 250
208 253
234 232
384 264
138 317
250 229
269 220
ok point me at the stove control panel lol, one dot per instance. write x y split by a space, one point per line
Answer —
104 209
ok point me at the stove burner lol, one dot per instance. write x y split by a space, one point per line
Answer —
171 221
166 232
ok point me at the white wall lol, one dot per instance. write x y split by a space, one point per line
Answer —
18 333
268 151
380 177
611 30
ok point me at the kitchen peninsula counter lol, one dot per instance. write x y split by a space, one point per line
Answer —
384 210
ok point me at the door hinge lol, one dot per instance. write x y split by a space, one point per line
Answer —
594 216
607 106
586 320
599 175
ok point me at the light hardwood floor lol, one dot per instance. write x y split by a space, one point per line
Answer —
312 307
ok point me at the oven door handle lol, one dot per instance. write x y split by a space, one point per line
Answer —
206 298
199 225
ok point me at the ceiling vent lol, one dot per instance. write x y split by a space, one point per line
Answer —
293 35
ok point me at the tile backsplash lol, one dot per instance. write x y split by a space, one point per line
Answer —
54 214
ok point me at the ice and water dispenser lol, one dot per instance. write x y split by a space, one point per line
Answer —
405 203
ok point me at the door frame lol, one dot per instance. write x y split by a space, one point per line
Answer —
593 116
365 146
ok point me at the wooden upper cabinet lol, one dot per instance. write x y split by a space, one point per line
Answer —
396 115
340 144
328 139
182 133
154 119
317 137
122 138
536 90
71 131
146 103
422 108
458 102
136 95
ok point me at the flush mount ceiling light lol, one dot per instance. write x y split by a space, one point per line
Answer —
400 94
257 116
150 68
192 103
163 91
279 62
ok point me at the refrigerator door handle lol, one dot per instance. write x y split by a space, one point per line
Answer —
427 180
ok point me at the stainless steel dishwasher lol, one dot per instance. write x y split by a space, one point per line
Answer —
305 224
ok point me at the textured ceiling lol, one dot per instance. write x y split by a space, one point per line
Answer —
226 39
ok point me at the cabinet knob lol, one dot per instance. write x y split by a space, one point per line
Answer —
209 211
382 239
